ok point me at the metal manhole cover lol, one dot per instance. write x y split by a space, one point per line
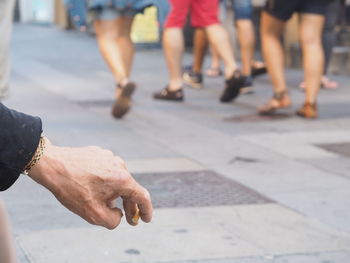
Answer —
197 189
338 148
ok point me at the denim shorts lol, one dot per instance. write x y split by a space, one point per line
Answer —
110 13
243 9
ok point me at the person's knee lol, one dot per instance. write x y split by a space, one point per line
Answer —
308 38
123 34
311 29
172 37
108 35
217 33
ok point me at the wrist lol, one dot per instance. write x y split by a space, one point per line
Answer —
37 155
47 167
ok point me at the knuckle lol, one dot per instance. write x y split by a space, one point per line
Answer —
92 220
93 148
96 217
124 178
112 225
120 161
108 152
146 196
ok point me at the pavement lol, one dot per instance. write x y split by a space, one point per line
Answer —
228 186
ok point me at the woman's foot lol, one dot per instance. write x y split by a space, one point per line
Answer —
213 72
171 95
233 87
308 111
258 68
123 102
279 101
326 83
193 79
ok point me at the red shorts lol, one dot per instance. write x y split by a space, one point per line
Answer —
203 13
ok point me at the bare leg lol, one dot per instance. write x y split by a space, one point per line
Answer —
199 49
125 43
173 45
219 40
214 70
113 37
246 37
215 58
7 252
311 27
271 31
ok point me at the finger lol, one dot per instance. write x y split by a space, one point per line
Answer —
143 200
112 217
119 162
131 190
131 210
111 203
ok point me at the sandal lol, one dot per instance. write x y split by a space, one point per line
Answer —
213 72
326 83
279 101
170 95
123 102
258 68
308 111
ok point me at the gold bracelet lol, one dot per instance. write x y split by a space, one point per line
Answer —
38 153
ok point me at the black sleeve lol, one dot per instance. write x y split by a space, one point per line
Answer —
19 139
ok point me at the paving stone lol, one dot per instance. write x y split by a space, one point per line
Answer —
330 257
163 165
283 176
341 148
328 206
300 145
339 166
190 234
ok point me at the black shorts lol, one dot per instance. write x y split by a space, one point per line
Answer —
284 9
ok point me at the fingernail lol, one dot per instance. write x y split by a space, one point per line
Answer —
136 217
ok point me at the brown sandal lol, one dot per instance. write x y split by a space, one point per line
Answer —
308 111
123 101
279 101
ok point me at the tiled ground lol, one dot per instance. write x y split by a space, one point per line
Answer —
213 168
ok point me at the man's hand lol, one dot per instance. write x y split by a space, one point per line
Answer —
88 180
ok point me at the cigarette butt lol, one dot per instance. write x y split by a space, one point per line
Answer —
136 217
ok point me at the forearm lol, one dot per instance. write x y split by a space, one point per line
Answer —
19 139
